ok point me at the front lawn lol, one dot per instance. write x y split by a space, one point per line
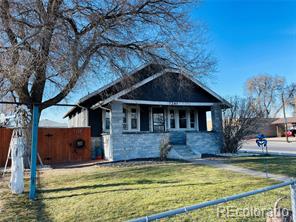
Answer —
284 165
118 193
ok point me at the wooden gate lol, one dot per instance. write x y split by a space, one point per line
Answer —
55 145
5 135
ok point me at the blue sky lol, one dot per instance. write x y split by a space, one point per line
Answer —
249 38
246 37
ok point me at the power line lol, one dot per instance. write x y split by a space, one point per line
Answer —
32 103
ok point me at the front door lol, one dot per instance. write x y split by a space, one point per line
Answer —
158 121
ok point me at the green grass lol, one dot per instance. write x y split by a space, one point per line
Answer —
121 193
275 164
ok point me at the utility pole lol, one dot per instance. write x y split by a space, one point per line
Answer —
294 114
285 117
32 193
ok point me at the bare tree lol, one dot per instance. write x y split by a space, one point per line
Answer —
287 95
240 121
47 47
264 91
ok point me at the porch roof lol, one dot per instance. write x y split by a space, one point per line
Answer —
165 103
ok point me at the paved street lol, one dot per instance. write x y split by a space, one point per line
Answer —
276 145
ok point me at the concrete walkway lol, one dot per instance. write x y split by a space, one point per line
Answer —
237 169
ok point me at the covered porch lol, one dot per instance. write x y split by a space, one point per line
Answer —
135 129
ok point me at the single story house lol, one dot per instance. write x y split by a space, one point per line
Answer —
134 115
280 125
266 127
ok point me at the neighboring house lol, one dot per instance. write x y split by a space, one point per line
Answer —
266 127
133 115
280 125
47 123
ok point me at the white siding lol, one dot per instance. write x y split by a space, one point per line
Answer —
79 119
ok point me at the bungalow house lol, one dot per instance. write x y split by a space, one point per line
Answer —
132 116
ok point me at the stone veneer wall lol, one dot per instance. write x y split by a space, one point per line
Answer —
204 142
147 145
138 145
125 146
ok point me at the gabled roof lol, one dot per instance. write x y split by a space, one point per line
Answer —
130 82
119 84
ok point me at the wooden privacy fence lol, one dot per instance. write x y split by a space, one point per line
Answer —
5 135
55 145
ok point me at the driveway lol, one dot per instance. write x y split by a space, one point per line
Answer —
275 145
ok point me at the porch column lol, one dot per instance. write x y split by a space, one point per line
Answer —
217 124
216 112
116 120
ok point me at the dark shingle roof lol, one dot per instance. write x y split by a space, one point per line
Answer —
130 80
114 87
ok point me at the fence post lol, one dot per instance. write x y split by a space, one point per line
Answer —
32 193
293 200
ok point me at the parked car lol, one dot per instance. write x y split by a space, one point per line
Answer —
291 132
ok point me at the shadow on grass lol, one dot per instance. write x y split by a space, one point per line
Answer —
159 171
115 190
19 207
94 186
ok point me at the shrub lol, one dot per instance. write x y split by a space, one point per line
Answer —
240 121
165 148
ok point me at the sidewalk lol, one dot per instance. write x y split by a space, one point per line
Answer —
277 139
237 169
272 153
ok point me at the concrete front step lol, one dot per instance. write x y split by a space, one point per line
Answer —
183 152
177 138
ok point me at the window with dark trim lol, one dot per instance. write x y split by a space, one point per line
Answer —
182 119
134 119
192 119
172 119
158 120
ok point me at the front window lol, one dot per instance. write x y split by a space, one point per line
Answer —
172 119
131 118
182 119
158 120
192 119
134 118
107 120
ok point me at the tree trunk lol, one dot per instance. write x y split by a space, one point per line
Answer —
28 142
28 139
